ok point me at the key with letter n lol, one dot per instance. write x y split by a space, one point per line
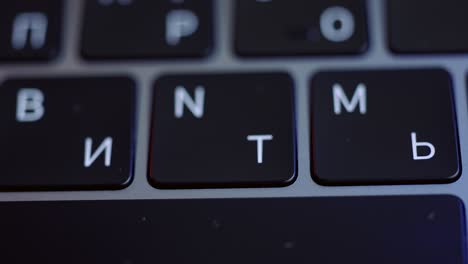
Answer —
222 130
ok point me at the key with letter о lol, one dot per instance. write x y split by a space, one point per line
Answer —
383 127
223 130
66 133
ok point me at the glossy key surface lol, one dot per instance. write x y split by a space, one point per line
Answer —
366 230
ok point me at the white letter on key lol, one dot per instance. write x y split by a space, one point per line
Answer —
182 97
29 105
359 97
259 139
106 146
415 144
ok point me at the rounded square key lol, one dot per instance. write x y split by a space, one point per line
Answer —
300 27
383 127
223 130
66 133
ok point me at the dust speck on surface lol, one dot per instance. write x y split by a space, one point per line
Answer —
289 244
216 224
143 219
127 261
431 216
76 108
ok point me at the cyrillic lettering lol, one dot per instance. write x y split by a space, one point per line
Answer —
415 145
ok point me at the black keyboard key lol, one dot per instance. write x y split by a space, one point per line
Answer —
300 27
364 230
423 26
384 127
223 130
30 30
147 29
66 133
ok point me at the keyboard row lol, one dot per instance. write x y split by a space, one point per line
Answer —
144 29
229 130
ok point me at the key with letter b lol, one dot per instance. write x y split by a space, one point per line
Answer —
66 133
384 127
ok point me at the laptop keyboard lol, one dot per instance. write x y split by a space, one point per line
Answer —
216 116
